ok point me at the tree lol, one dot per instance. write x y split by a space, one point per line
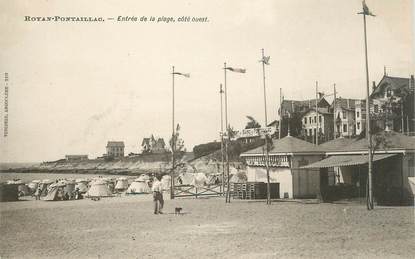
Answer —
252 123
177 144
378 141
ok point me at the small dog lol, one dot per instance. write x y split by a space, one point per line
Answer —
178 211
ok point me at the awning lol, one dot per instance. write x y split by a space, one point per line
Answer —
346 160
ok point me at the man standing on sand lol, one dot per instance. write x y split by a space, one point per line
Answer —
158 195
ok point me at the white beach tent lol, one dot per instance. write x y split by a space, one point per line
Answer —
81 185
99 188
186 179
33 185
122 184
138 187
199 179
144 177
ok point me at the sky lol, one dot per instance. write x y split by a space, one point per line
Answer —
75 86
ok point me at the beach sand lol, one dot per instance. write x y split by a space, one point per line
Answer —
125 227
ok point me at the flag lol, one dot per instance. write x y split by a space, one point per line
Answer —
221 90
366 10
265 60
182 74
238 70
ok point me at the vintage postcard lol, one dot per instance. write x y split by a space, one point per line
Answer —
207 129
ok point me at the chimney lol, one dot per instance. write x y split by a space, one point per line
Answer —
373 86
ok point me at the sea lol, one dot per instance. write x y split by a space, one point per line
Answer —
28 177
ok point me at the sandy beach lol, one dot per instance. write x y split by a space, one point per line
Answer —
125 227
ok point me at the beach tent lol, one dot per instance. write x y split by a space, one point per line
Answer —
99 188
144 177
81 185
69 189
110 183
199 179
56 192
185 179
33 185
138 187
23 190
44 186
122 184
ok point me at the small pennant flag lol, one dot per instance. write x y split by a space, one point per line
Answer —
182 74
238 70
366 10
265 60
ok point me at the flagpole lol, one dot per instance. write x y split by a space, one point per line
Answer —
173 142
228 198
368 132
221 140
266 137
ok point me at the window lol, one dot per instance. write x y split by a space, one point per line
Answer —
309 120
344 127
319 118
310 132
389 92
357 114
376 108
344 115
358 125
315 119
305 120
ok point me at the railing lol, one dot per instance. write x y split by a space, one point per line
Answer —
197 191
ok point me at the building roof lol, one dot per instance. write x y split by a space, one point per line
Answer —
337 144
286 145
160 142
115 144
346 160
146 141
346 103
394 82
292 106
392 141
